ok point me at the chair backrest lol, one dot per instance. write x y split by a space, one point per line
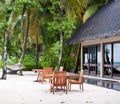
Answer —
61 68
48 70
81 79
59 78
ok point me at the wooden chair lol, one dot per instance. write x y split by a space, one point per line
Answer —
40 76
47 73
58 80
80 81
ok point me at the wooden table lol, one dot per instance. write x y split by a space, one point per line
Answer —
41 72
38 71
68 75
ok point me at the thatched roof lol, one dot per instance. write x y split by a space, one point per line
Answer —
104 23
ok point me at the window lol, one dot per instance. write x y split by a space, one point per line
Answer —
91 59
116 56
111 59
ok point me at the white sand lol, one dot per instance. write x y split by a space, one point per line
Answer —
22 90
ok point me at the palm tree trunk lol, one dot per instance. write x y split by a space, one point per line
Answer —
60 51
37 52
25 38
61 41
4 74
8 19
37 33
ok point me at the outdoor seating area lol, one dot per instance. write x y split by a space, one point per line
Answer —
59 80
60 52
23 90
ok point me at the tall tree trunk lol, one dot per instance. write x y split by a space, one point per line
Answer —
8 19
77 62
23 12
60 51
25 39
37 52
61 41
4 74
37 33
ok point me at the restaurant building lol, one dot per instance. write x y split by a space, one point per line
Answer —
100 42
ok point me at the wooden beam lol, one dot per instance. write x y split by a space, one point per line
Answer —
99 41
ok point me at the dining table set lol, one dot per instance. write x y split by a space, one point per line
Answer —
59 79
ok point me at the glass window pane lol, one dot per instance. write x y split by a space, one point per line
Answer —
85 51
98 57
85 59
107 53
92 54
116 56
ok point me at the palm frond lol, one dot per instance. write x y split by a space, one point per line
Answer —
89 12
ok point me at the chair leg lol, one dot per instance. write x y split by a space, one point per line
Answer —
81 85
70 87
66 89
53 90
50 89
82 88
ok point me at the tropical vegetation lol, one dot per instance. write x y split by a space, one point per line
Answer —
33 32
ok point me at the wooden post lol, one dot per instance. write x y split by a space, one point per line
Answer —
81 57
102 60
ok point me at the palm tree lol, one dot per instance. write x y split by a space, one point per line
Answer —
25 37
7 31
34 32
66 8
74 9
10 31
31 28
82 9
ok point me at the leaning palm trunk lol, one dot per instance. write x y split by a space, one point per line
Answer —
4 56
8 19
25 38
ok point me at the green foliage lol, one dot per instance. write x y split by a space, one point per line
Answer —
50 56
68 60
67 26
29 63
1 63
93 6
89 12
12 60
54 16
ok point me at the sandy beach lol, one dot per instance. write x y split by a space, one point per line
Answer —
23 90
